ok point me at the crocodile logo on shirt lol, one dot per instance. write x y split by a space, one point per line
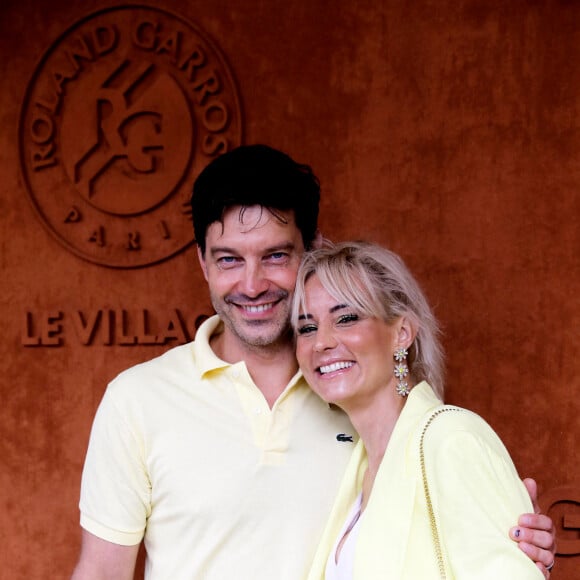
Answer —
344 437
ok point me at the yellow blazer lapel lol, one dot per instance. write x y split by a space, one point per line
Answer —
348 491
382 552
386 522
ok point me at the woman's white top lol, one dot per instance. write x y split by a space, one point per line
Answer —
344 568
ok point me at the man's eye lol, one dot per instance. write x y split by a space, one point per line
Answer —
347 318
278 256
306 329
227 261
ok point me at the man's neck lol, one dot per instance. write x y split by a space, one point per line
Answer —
271 367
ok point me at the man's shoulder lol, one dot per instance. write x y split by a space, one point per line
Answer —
174 362
180 365
178 356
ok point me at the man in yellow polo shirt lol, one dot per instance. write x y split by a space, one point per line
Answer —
217 454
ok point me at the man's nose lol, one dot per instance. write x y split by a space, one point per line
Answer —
254 281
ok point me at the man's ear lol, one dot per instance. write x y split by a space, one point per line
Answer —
317 241
202 263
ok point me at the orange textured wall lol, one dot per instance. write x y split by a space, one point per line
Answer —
448 130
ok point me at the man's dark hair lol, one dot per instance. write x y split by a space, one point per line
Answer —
255 175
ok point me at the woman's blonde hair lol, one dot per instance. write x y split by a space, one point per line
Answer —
377 283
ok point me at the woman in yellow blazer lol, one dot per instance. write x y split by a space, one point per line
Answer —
430 490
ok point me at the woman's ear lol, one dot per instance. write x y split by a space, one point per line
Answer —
406 332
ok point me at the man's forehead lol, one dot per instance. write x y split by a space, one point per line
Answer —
253 215
245 219
255 224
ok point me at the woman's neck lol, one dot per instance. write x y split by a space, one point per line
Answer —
375 423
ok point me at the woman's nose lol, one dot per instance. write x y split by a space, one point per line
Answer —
325 339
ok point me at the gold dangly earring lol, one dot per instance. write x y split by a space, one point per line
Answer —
401 371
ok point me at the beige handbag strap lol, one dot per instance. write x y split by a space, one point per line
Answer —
432 520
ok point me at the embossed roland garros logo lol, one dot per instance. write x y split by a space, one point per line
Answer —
122 113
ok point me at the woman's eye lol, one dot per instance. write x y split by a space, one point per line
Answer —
346 318
306 329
